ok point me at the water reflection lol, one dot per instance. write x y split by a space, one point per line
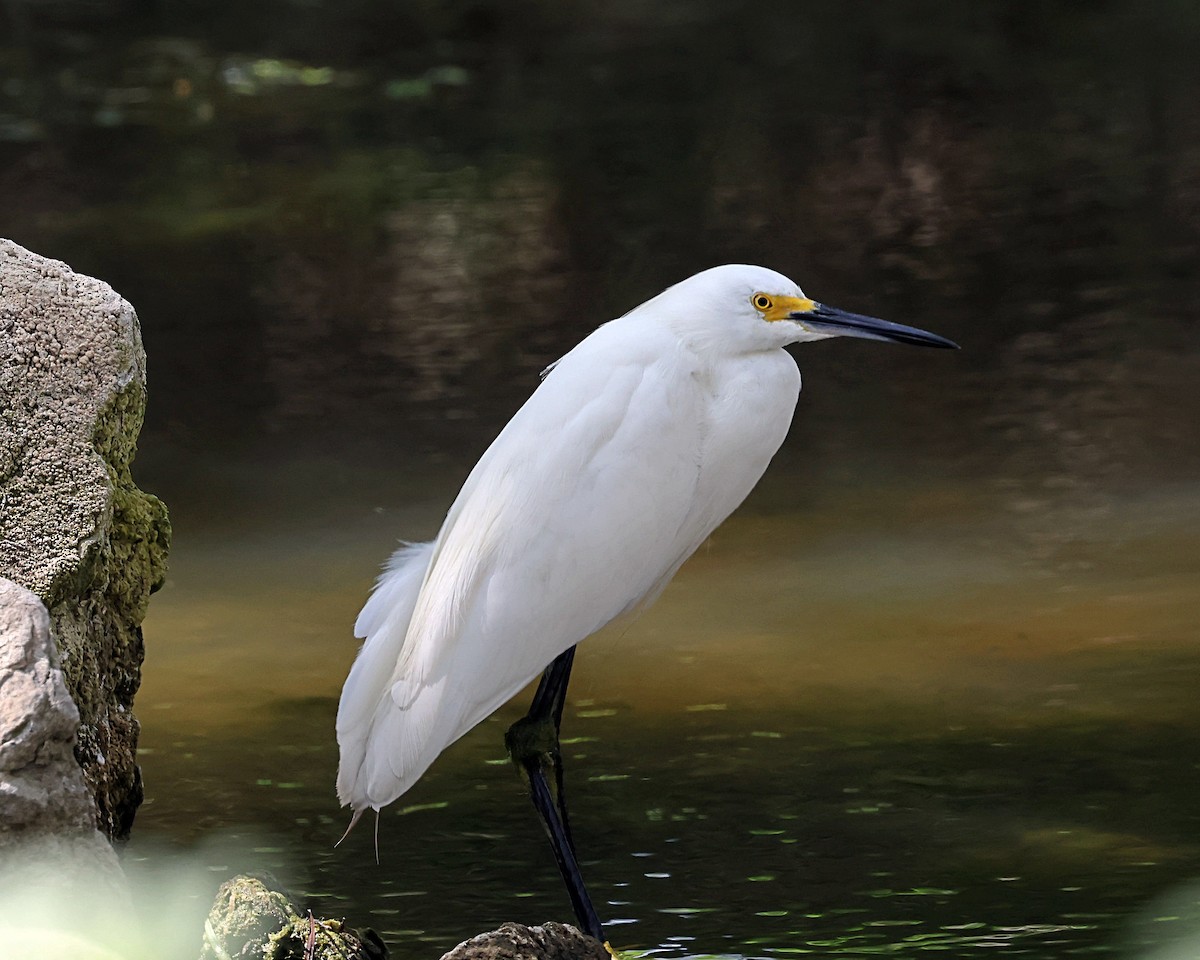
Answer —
356 234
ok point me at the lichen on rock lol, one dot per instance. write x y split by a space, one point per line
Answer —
251 918
74 528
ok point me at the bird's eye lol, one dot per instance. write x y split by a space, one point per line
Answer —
761 301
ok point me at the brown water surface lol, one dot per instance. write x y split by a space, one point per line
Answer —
882 723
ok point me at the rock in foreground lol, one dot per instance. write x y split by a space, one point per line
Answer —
249 919
50 848
515 941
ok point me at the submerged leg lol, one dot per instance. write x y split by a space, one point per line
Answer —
533 745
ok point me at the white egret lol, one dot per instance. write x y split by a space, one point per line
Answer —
635 446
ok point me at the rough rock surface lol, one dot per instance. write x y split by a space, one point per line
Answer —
250 919
73 527
47 819
515 941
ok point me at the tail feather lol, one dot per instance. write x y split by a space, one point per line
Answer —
404 742
366 696
396 589
394 721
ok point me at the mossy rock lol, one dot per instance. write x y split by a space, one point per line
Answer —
74 528
251 919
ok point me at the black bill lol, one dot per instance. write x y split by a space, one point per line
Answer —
839 323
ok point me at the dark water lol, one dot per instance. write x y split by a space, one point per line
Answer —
880 726
931 690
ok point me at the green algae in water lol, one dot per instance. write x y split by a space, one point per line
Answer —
419 807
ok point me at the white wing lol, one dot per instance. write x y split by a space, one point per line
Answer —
584 506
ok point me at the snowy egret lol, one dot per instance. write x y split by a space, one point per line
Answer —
635 446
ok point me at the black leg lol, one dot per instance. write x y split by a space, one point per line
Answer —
548 702
533 744
551 693
564 853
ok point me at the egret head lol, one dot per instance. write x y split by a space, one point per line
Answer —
760 308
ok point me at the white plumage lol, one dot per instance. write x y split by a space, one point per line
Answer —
635 446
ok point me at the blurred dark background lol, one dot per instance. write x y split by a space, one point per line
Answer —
361 228
955 625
